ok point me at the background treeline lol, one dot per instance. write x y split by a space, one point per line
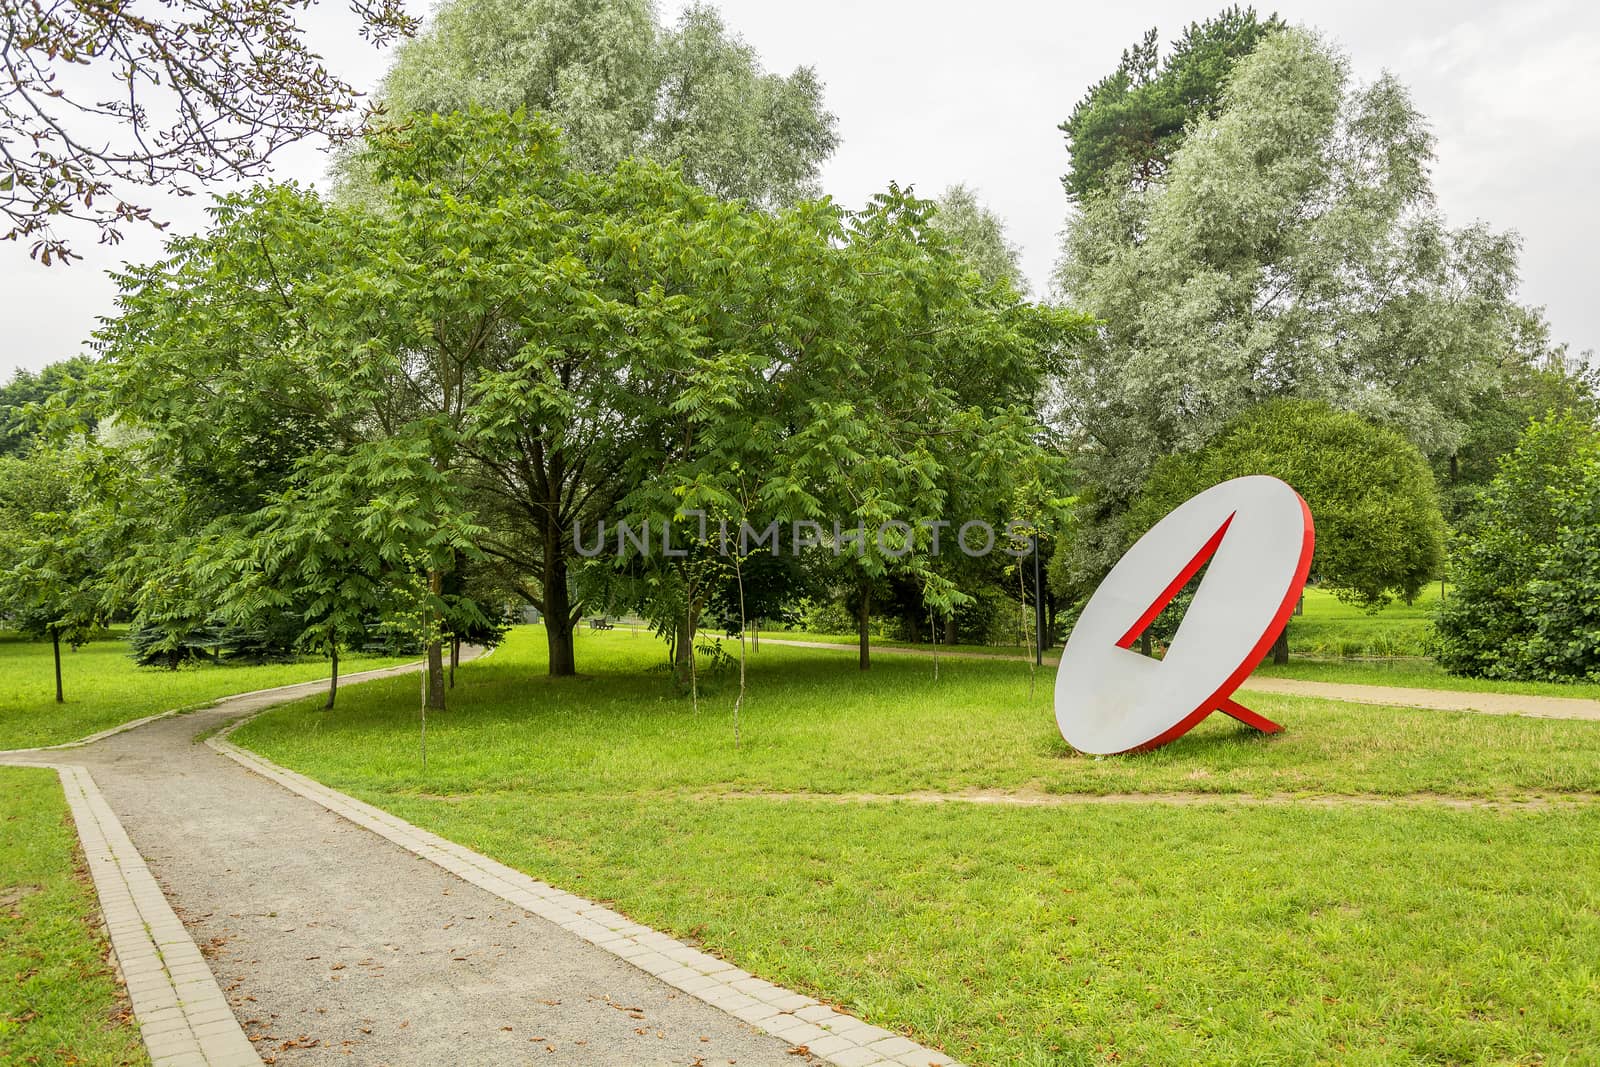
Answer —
580 274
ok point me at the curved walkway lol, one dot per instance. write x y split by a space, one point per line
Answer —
341 935
1543 707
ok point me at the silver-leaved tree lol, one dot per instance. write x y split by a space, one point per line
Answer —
620 84
1292 248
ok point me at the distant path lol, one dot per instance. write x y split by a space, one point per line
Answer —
1543 707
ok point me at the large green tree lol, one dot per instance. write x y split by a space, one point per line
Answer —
1291 249
1128 125
903 395
620 84
492 353
503 347
53 552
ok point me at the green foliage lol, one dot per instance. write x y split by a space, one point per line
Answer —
980 236
1527 564
498 346
266 639
823 616
53 551
1554 384
619 85
1128 125
1330 627
890 384
27 388
1371 494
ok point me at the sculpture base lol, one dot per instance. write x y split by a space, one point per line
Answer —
1249 718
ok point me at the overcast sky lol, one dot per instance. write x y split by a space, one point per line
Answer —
931 93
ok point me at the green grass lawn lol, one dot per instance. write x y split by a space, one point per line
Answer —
59 1003
1221 930
105 688
1330 627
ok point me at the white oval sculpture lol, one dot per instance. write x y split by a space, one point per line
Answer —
1257 535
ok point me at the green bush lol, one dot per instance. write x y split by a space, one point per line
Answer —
153 646
1527 564
1380 534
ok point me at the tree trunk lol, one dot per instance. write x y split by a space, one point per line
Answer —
688 623
738 574
558 611
950 628
683 643
1050 621
435 697
1145 647
455 657
1280 647
435 675
55 644
333 679
865 622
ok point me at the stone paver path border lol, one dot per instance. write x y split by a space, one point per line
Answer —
184 1019
183 1016
1542 707
827 1034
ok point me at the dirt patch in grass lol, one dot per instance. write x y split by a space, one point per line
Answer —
1040 799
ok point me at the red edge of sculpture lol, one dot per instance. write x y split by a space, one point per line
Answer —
1221 700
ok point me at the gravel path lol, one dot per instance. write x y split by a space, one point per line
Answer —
337 947
1438 699
1543 707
